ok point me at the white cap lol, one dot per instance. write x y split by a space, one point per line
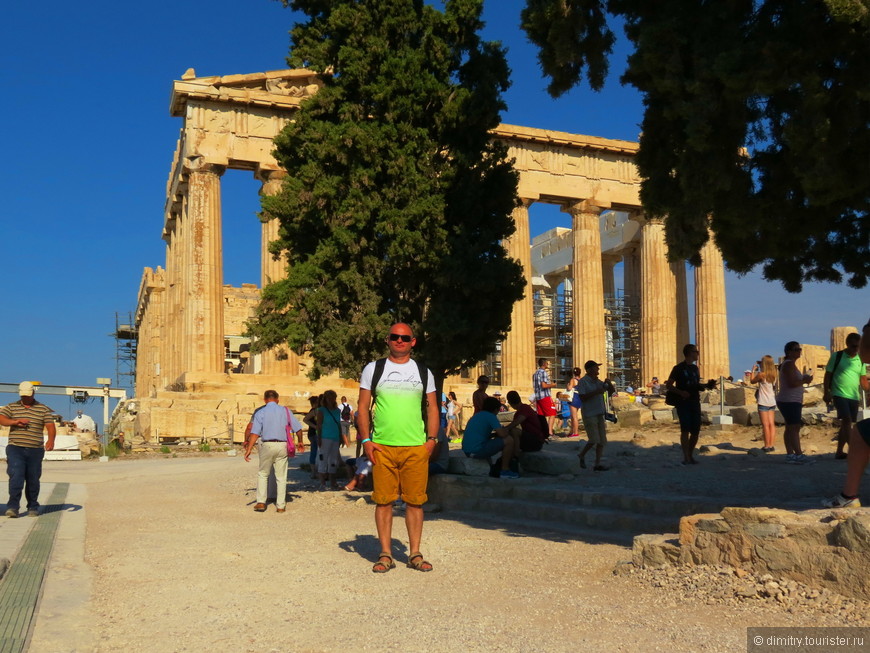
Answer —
25 389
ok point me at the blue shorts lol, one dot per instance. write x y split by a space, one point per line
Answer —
764 409
791 412
847 409
488 449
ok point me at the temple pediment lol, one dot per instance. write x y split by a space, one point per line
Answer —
276 88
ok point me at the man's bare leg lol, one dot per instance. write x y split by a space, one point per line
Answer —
384 523
414 524
859 454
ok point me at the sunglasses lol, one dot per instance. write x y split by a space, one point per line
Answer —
394 337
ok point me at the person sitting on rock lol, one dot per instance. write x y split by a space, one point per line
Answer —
530 426
485 437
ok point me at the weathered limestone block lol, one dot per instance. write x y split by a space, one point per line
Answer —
689 526
813 396
655 550
740 396
663 415
635 417
461 464
742 415
551 464
657 403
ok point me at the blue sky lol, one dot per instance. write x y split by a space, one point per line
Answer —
89 141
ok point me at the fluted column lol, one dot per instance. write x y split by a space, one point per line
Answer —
518 347
681 306
711 319
588 311
658 322
631 275
279 360
838 337
608 261
204 324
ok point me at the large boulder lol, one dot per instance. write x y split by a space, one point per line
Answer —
549 463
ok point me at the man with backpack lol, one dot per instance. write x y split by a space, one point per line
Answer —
845 377
399 443
346 418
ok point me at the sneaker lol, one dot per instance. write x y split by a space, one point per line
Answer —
507 473
840 501
12 512
802 459
260 507
791 459
33 513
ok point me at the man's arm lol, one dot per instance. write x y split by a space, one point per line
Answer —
249 440
433 422
8 421
52 432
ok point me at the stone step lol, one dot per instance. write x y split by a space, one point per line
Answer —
668 506
609 524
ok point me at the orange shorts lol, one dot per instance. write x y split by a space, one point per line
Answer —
405 468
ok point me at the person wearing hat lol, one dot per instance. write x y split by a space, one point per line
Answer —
591 390
27 418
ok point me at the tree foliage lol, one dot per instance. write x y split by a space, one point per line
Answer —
396 200
756 121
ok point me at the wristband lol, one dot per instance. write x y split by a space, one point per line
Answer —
366 440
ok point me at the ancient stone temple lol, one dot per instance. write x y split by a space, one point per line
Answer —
191 350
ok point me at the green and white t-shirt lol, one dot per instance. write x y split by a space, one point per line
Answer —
846 379
398 418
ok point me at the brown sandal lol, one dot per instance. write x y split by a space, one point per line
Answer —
421 564
383 567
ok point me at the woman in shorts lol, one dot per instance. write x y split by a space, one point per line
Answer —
764 375
790 402
575 402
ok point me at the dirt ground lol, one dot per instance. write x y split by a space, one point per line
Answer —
180 562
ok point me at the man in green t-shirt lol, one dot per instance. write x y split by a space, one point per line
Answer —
399 445
845 377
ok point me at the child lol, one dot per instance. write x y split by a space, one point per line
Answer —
564 409
361 472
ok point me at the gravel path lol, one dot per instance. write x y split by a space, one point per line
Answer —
182 563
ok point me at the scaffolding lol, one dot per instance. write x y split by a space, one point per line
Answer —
126 342
621 322
553 311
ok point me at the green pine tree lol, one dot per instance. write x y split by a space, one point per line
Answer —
756 117
396 200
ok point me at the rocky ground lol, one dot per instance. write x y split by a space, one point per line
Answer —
182 563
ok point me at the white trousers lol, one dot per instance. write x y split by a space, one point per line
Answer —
273 454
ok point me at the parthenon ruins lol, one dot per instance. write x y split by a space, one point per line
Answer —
190 324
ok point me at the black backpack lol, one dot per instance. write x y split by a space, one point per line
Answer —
345 413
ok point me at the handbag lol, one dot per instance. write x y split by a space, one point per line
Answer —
291 445
672 398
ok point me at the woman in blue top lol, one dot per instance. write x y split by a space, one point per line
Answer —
329 440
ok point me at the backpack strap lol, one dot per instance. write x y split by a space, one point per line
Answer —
422 371
837 360
378 372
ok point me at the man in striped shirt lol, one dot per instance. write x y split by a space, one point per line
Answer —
27 418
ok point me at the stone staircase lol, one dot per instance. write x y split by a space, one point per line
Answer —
534 505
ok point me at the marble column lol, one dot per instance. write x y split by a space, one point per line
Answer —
588 311
681 306
608 261
658 321
711 319
204 302
518 347
279 360
631 276
838 337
